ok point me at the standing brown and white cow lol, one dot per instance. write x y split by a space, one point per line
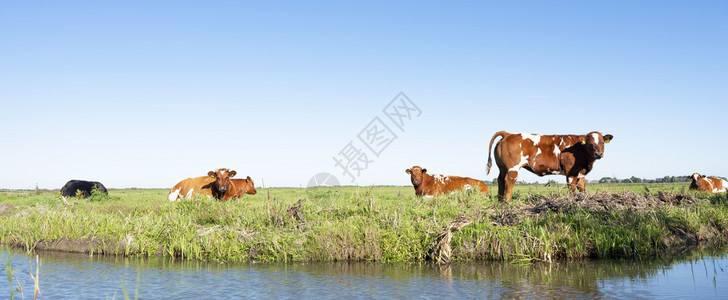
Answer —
216 184
570 155
708 184
434 185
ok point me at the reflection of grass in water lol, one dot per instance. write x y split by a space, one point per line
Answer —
540 279
10 273
582 275
136 290
350 223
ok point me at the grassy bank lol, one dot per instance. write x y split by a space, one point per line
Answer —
375 224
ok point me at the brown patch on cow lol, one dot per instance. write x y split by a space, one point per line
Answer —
198 186
435 185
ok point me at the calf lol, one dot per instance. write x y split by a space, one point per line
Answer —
569 155
243 186
82 188
708 184
216 184
434 185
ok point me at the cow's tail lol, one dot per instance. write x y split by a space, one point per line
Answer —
490 147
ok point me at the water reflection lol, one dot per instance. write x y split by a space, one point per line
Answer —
65 275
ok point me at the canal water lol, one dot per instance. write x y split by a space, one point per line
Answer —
78 276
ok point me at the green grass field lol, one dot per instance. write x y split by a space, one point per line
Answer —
364 224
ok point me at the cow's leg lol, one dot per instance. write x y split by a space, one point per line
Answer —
510 181
581 184
572 181
502 185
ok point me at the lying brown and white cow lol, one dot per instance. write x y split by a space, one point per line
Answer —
216 184
570 155
708 184
434 185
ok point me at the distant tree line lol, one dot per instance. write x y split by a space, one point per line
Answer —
634 179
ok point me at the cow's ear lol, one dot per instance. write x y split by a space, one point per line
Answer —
408 171
232 173
248 179
582 140
608 138
424 170
211 174
703 176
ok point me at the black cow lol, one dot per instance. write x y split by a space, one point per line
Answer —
84 187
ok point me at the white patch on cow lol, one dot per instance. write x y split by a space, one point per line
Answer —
555 172
595 136
174 195
467 187
536 138
694 177
189 194
713 188
523 162
441 179
429 196
725 186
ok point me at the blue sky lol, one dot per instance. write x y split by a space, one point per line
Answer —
147 93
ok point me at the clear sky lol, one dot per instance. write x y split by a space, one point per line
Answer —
147 93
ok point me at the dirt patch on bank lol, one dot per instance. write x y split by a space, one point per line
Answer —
601 202
5 207
85 245
605 201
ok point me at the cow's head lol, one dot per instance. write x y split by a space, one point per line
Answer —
594 144
695 177
222 178
416 174
250 189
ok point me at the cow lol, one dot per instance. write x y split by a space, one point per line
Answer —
82 188
434 185
243 186
216 184
570 155
708 184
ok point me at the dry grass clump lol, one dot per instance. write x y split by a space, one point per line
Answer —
441 250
